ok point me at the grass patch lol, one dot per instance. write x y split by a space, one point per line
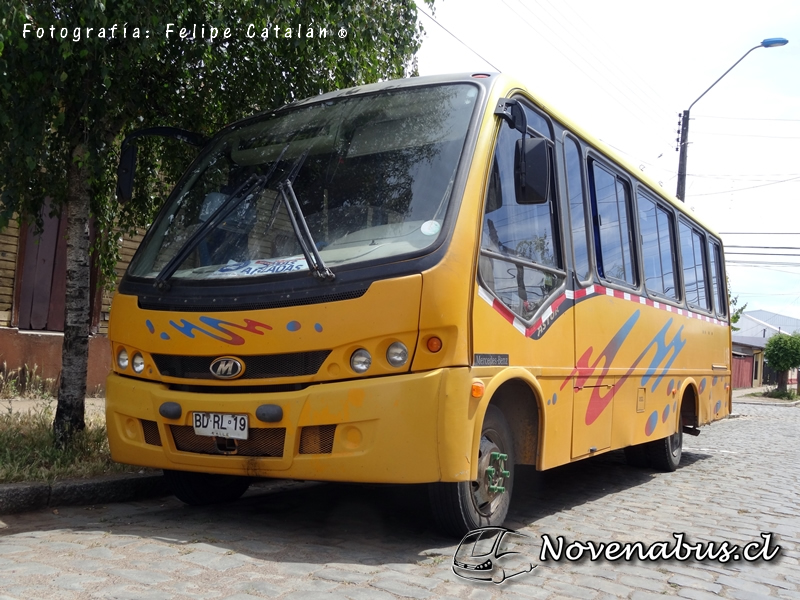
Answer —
28 452
25 382
787 395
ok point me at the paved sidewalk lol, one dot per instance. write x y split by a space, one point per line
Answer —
750 396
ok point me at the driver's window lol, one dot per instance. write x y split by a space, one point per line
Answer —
520 248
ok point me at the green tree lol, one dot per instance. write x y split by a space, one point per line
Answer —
782 352
736 313
78 75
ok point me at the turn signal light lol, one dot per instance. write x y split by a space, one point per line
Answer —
477 389
434 344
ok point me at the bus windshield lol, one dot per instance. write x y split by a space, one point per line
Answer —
372 175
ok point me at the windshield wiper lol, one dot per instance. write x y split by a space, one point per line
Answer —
315 263
252 185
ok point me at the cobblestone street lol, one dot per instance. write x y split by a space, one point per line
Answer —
739 478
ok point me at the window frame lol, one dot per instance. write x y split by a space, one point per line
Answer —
632 218
680 295
555 211
696 229
568 137
719 262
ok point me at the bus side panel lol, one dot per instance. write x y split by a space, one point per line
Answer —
653 353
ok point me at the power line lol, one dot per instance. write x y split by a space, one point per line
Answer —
639 112
743 118
761 254
732 177
621 76
455 37
600 41
765 247
760 263
751 135
752 187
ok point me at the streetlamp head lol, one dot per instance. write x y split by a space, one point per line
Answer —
772 42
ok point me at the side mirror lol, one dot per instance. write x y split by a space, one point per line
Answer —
127 160
125 173
531 171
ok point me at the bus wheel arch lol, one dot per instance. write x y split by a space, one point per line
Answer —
460 507
521 406
689 409
665 454
507 434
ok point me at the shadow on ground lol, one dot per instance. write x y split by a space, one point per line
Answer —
336 523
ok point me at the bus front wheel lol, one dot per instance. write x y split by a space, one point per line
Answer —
200 489
467 505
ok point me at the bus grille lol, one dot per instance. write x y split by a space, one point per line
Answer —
151 434
262 442
292 364
317 439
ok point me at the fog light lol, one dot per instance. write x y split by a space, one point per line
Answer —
122 359
137 363
360 361
397 354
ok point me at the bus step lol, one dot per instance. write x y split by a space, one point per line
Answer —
691 430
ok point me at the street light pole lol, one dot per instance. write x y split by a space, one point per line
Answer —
684 139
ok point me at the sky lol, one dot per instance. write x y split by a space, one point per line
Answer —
625 69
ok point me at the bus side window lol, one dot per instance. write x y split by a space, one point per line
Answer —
717 278
658 247
577 209
613 225
694 267
520 260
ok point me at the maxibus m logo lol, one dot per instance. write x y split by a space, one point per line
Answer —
666 351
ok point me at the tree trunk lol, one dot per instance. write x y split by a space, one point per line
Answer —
75 353
783 378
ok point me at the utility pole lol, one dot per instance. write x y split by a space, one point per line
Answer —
684 145
684 139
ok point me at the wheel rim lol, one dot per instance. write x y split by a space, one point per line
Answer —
675 442
493 477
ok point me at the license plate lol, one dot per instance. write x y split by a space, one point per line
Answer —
219 425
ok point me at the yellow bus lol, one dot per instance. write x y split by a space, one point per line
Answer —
429 280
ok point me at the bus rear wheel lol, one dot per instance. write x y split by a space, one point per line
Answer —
201 489
665 454
467 505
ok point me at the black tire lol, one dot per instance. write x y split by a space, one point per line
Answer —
200 489
461 507
636 456
665 454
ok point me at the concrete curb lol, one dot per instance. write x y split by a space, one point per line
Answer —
23 497
760 403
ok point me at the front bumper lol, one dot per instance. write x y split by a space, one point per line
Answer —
412 428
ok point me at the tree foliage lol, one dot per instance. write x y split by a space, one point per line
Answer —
76 76
84 90
782 352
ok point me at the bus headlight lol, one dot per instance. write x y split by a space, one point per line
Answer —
397 354
360 360
137 363
122 359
